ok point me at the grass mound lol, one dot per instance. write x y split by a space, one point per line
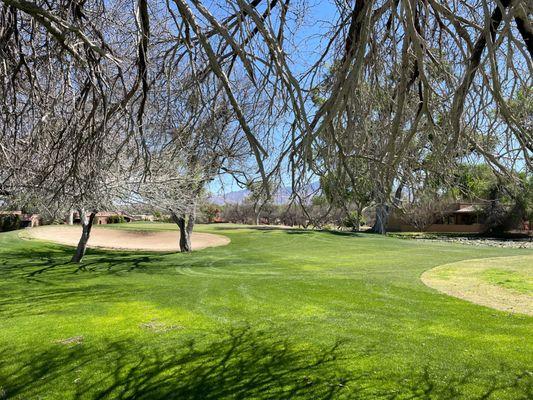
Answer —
504 283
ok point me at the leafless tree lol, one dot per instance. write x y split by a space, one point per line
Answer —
442 70
405 84
69 90
423 211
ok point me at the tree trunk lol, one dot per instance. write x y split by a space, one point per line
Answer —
185 228
70 218
190 226
382 219
357 226
86 226
258 208
398 195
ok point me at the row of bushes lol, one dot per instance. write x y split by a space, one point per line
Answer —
317 215
116 219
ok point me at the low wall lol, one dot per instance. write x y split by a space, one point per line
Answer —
443 228
474 228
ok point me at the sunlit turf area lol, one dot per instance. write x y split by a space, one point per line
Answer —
504 283
276 314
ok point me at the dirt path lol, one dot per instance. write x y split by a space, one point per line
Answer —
503 283
118 239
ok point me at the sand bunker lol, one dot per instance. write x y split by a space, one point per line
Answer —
118 239
503 283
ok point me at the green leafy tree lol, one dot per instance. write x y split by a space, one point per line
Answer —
210 212
9 222
349 191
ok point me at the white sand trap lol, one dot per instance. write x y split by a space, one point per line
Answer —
118 239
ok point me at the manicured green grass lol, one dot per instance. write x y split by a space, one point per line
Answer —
515 274
275 314
509 279
503 283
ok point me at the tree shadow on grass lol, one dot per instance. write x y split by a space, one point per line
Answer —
342 233
241 363
34 281
117 263
56 298
426 384
33 263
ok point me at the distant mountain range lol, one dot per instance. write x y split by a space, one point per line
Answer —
280 197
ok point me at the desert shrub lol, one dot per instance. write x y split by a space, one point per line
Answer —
353 220
329 227
9 223
116 219
208 213
502 218
424 211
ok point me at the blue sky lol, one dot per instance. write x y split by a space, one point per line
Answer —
319 16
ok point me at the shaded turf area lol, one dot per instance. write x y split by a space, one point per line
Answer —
275 314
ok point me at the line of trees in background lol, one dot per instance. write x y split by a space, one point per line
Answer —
106 103
500 206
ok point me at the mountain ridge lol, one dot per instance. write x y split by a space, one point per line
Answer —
281 196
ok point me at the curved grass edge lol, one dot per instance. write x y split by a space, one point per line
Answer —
477 291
